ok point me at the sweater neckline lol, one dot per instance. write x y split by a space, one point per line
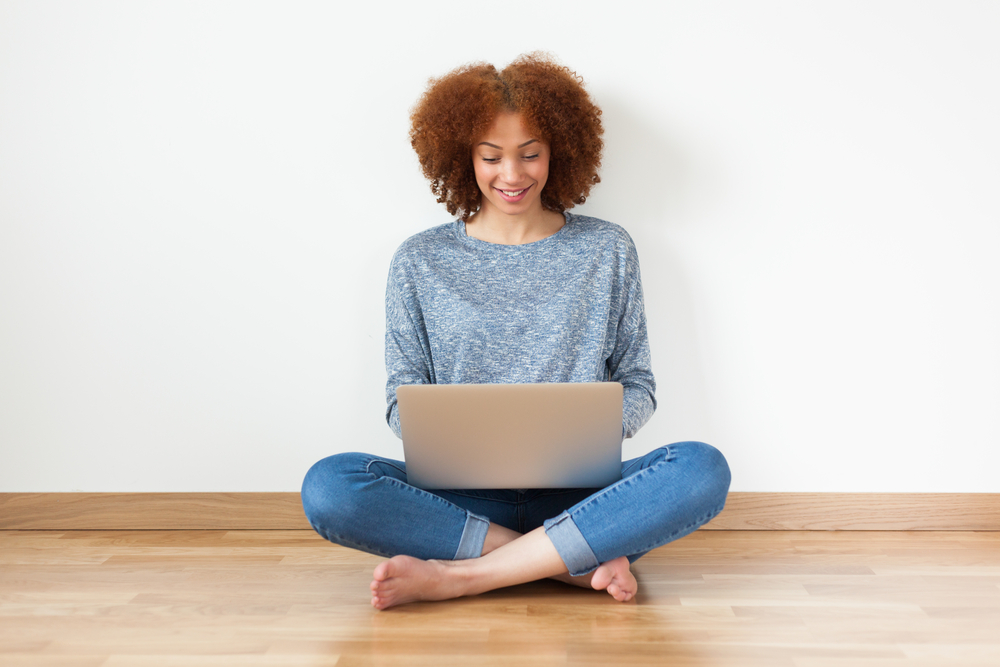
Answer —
463 235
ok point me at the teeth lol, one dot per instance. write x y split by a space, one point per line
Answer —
513 193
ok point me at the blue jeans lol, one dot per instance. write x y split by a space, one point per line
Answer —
363 502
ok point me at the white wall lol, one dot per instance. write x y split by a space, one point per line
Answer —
198 203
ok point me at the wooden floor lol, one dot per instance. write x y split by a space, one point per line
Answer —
746 598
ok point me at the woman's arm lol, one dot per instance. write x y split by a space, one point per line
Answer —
407 350
630 362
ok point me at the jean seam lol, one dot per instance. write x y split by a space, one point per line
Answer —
421 492
558 492
469 495
375 460
625 481
668 457
701 521
368 466
325 533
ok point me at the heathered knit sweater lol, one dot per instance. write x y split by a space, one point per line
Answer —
567 308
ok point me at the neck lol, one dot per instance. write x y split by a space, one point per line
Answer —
494 226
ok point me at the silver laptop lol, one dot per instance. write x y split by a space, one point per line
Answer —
511 436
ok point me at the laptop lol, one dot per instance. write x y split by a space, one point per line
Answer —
511 436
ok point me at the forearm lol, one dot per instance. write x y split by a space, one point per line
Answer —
638 405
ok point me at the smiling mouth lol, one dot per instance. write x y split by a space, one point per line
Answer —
511 195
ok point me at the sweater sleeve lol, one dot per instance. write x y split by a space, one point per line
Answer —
630 362
407 351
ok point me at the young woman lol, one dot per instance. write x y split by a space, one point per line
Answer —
515 290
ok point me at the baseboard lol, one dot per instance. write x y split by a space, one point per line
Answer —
859 511
283 511
151 511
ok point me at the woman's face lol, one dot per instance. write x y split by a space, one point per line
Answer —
512 165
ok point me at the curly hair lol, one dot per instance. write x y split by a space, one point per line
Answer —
459 107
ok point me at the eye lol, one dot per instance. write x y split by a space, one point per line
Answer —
491 160
531 157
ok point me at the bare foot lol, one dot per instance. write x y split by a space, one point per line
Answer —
529 557
403 579
616 578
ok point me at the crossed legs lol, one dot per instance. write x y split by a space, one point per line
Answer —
440 548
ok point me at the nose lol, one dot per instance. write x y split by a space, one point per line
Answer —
510 171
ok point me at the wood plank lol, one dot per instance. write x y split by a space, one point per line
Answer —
713 598
283 511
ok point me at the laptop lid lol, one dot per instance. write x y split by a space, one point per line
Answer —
511 436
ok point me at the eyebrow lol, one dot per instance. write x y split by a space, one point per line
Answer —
486 143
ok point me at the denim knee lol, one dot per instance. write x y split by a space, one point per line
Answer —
363 502
713 483
329 491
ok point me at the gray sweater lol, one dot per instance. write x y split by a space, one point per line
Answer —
567 308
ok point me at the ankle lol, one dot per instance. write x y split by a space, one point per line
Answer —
468 577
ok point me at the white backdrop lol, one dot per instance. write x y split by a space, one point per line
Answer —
199 201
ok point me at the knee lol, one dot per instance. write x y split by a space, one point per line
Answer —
326 487
709 467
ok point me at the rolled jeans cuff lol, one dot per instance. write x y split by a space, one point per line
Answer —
473 537
574 550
